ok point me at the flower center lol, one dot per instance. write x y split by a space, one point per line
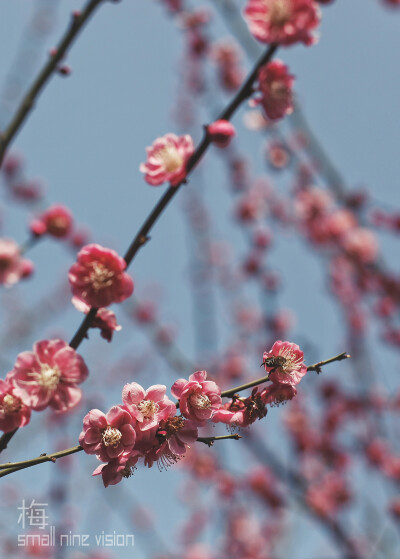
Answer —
278 90
200 401
173 425
59 222
111 436
171 158
49 377
289 362
279 12
100 276
10 404
148 408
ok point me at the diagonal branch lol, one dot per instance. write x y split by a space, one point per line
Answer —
79 19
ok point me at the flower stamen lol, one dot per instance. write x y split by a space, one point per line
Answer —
111 436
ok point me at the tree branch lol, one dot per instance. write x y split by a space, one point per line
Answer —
142 236
316 367
79 19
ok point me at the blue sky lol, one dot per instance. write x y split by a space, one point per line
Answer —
88 133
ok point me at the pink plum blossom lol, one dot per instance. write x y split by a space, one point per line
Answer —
174 435
276 394
12 266
275 84
104 319
55 221
241 412
98 277
198 397
283 22
117 468
48 376
108 435
166 159
285 363
13 412
148 407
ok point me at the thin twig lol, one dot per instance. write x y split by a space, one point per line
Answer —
79 19
7 469
210 440
142 236
316 367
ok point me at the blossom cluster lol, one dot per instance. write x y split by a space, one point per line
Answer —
146 426
48 376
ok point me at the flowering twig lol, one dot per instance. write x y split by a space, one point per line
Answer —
78 21
316 367
142 236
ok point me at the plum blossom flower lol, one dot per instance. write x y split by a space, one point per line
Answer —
55 221
275 85
108 435
148 407
12 266
277 394
241 412
173 436
98 277
198 397
48 376
117 468
13 412
283 22
166 159
104 319
285 363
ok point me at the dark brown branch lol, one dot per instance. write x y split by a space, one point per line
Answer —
210 440
316 367
142 236
79 19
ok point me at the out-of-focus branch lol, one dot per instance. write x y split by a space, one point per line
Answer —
79 19
295 480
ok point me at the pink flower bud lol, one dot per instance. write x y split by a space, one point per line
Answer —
221 132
